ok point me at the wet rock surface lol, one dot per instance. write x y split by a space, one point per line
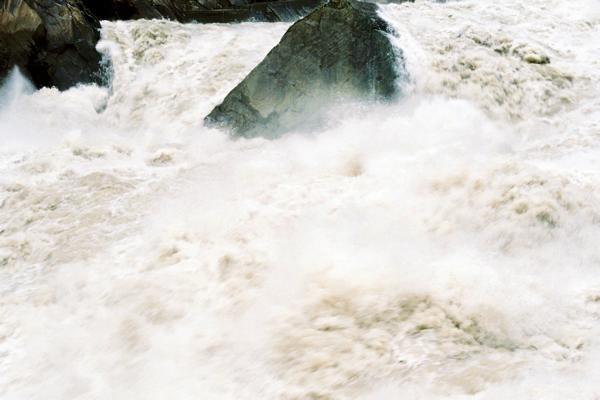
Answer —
205 11
52 42
341 51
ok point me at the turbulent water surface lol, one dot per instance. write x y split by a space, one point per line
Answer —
445 246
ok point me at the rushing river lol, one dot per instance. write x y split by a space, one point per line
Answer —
445 246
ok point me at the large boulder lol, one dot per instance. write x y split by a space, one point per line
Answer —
203 10
341 51
121 9
52 41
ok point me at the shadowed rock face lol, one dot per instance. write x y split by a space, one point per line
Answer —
203 10
52 41
341 51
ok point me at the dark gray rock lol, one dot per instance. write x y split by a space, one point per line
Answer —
341 51
268 11
121 9
204 11
52 41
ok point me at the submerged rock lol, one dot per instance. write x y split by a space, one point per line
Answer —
203 10
341 51
53 42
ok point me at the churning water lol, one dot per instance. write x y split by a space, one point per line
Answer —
446 246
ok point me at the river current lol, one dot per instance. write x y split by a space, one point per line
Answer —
444 246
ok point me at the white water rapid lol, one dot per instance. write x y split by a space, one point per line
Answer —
442 247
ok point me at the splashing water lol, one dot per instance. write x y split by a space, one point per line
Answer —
440 247
14 87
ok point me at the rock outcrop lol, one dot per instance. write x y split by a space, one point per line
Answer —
52 41
203 10
340 51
